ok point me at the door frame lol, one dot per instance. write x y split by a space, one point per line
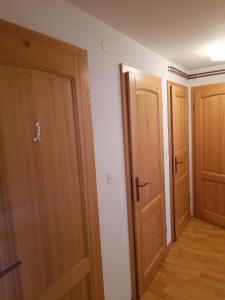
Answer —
127 157
193 148
170 138
128 174
171 179
78 69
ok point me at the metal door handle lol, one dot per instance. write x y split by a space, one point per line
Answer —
143 185
10 269
138 186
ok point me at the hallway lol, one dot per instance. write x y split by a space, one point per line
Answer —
112 127
195 266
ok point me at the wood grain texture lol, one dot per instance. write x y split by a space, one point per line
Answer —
127 157
48 198
193 150
209 154
34 50
179 156
170 144
146 148
195 266
49 172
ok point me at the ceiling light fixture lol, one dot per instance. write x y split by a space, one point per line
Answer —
218 52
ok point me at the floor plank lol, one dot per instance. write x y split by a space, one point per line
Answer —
194 268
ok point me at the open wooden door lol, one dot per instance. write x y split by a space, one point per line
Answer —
178 111
49 232
147 171
209 152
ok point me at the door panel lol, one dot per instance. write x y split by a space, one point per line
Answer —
44 204
145 110
213 136
48 175
80 291
180 156
209 158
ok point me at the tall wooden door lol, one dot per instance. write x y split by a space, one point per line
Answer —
49 235
209 152
178 105
146 144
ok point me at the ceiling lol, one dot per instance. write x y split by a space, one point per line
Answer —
180 30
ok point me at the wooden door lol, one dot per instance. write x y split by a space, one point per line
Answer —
49 234
209 152
146 144
178 106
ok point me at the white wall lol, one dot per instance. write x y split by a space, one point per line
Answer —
207 80
61 20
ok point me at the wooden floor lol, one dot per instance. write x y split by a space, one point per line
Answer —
195 266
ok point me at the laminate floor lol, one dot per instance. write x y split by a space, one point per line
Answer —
195 266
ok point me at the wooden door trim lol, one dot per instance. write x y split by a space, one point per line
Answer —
193 148
76 68
127 157
170 137
28 39
172 215
89 174
129 191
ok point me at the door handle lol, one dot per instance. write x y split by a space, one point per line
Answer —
10 269
138 186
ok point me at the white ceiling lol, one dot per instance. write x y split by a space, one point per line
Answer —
180 30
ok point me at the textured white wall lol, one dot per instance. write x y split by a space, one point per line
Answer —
61 20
